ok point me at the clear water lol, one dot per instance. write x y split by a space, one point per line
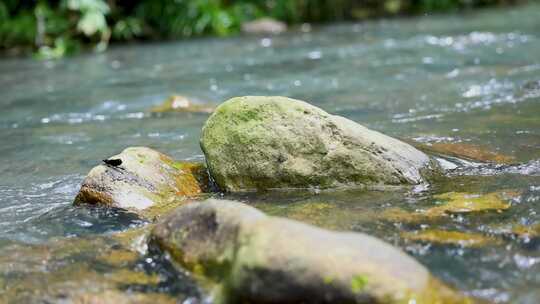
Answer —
430 79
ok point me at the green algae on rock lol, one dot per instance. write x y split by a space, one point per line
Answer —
83 270
464 239
258 258
517 230
259 142
457 202
452 203
145 180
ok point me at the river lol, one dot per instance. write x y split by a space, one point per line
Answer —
471 79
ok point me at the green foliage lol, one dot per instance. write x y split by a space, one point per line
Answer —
127 29
55 28
358 283
92 15
59 48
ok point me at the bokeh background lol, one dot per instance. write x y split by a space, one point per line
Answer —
53 29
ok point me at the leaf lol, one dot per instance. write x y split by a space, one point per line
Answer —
92 22
88 6
358 283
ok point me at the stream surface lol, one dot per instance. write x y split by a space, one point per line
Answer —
472 79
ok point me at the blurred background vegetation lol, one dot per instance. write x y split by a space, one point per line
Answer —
52 29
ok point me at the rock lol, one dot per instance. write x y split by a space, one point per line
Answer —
463 239
467 151
144 180
122 297
96 269
517 230
178 103
460 202
454 203
256 258
533 85
264 26
526 232
258 143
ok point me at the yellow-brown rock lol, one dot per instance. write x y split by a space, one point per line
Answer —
445 237
178 103
142 180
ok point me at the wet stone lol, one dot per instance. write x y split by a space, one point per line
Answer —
106 269
183 104
258 143
142 180
467 151
444 237
253 257
452 203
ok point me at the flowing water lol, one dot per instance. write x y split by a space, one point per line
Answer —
471 80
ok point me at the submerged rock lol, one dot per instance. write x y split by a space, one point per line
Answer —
122 297
142 179
463 239
460 202
256 258
89 270
533 85
452 203
178 103
264 26
257 143
517 230
468 151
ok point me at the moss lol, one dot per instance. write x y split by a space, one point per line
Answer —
233 136
208 278
398 215
452 203
458 202
328 280
162 205
79 270
190 179
132 239
115 297
90 196
119 258
142 158
450 238
130 277
435 293
524 231
358 283
160 184
313 212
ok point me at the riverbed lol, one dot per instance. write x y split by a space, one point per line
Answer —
471 79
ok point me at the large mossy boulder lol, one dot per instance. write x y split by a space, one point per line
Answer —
257 143
256 258
142 179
